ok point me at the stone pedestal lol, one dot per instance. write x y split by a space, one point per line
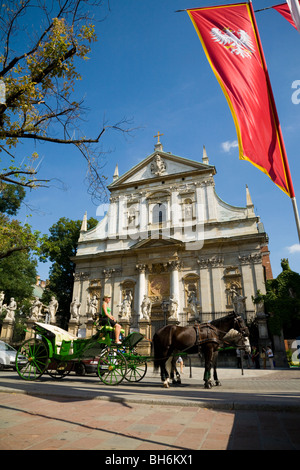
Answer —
144 346
7 330
90 328
125 325
73 327
29 329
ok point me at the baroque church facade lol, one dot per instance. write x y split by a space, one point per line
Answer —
169 250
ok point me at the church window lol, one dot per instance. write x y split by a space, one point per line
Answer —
159 213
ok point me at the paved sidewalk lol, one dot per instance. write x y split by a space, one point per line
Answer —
257 411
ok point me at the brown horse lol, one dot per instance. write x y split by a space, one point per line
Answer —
206 338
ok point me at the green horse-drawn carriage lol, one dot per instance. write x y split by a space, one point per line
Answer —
54 351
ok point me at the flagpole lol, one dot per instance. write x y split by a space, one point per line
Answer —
284 155
294 202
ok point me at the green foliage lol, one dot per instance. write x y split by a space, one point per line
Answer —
282 302
16 237
59 247
17 276
42 44
11 198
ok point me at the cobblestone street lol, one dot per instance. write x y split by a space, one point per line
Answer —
70 416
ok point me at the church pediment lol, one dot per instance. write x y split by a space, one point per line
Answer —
157 243
160 165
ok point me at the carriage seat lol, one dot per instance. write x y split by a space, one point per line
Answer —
63 339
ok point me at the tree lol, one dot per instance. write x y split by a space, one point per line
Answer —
17 266
18 276
11 198
38 71
282 302
17 279
59 247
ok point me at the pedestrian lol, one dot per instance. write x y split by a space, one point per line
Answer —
256 357
180 363
247 358
264 357
270 355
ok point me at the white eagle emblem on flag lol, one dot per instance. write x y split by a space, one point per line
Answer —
238 43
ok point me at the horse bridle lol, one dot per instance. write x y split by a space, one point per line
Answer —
242 328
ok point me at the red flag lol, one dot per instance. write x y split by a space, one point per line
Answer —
285 11
230 39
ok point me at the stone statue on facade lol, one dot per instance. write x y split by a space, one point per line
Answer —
92 307
75 309
36 309
10 309
126 306
158 166
193 304
173 308
145 308
238 301
52 309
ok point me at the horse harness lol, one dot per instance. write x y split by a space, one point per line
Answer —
206 333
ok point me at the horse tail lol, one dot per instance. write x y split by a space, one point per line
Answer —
156 352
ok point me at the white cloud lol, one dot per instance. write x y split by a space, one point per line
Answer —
294 248
227 146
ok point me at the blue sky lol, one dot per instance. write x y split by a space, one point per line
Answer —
149 66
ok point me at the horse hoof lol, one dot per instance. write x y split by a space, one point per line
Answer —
208 385
166 383
176 382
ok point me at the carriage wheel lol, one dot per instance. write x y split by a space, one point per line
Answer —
58 370
33 356
112 367
136 372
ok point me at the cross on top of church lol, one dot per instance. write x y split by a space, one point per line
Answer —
158 136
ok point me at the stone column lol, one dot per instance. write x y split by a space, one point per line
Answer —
121 227
175 207
201 203
248 283
205 289
143 216
141 287
218 288
112 217
108 272
175 266
211 200
258 273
